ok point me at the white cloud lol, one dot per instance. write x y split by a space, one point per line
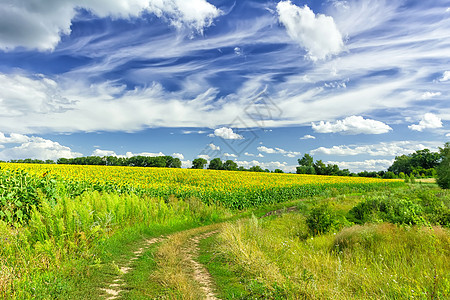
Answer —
382 149
227 133
253 155
186 164
278 151
14 138
229 154
214 147
445 76
448 135
38 148
318 34
366 165
308 137
238 51
429 120
352 125
40 24
204 156
267 165
178 155
429 95
193 131
101 153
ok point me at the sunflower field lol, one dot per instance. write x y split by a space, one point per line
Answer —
23 184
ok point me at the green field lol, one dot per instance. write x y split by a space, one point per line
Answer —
70 232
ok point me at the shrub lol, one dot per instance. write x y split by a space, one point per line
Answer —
321 219
443 170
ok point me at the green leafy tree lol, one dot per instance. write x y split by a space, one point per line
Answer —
443 169
199 163
215 164
230 165
306 165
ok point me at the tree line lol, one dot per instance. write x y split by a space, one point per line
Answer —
422 163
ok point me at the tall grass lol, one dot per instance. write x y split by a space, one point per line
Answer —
62 238
374 261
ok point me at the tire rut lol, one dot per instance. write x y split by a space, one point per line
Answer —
116 287
201 274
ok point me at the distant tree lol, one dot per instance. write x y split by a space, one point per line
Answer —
443 169
215 164
256 169
401 164
306 161
230 165
199 163
278 171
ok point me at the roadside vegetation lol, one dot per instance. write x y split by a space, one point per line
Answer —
89 232
391 244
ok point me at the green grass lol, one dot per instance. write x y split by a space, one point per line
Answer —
279 257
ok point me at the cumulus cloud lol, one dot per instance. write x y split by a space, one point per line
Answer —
278 151
14 138
308 137
382 149
128 154
448 135
227 133
366 165
445 76
352 125
40 24
428 121
37 148
178 155
318 34
214 147
100 152
267 165
429 95
253 155
229 154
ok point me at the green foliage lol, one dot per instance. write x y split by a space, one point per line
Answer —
230 165
321 219
422 161
443 170
134 161
418 207
199 163
215 164
20 192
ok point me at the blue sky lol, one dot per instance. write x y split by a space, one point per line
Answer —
259 82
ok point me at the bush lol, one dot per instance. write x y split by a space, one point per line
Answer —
443 170
321 219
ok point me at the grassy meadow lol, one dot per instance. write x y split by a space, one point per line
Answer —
65 229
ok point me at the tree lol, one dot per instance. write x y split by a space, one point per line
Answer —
215 164
230 165
443 169
278 171
306 165
256 169
199 163
307 160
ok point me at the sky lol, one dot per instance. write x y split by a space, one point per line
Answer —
354 83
